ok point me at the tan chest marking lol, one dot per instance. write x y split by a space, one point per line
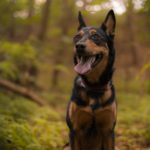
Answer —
83 115
106 116
79 116
107 94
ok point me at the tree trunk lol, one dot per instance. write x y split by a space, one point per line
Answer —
12 20
44 20
55 77
30 15
131 35
64 24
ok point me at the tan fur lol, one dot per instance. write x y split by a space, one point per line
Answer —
93 75
93 49
107 94
79 115
72 108
82 119
106 115
84 96
92 101
93 127
114 109
81 33
92 31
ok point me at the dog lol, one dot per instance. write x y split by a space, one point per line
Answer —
91 112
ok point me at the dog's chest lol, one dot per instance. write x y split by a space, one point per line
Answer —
84 117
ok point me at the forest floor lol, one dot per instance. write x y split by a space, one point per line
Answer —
26 126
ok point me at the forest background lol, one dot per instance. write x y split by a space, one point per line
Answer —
36 70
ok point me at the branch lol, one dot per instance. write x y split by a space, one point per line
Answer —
22 91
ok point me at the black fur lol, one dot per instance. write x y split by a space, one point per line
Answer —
94 90
91 93
108 73
81 21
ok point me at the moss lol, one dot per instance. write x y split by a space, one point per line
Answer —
17 107
26 126
133 120
16 135
21 128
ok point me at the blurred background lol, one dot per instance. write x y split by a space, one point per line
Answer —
36 70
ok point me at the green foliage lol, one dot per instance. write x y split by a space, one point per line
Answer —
50 134
61 68
15 50
20 107
16 136
22 128
144 69
13 8
17 60
26 126
133 120
97 2
146 7
14 128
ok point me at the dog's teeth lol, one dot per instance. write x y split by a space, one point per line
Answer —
90 60
78 60
81 60
93 59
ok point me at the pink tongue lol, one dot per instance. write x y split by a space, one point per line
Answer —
82 68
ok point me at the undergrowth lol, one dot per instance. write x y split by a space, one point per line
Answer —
26 126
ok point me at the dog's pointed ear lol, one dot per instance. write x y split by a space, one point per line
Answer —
109 23
81 21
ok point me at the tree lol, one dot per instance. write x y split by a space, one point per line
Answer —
131 35
31 4
44 20
12 19
64 23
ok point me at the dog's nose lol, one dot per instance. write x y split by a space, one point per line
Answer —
80 48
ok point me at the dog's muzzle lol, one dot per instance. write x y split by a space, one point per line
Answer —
80 49
85 63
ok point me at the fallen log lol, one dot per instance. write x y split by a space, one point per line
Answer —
23 91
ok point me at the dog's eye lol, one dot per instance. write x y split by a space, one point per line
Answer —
77 38
97 39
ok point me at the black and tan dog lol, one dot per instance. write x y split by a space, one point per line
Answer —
91 114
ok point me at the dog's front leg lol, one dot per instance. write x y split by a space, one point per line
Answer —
74 141
108 141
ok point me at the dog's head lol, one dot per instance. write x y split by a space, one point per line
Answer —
91 46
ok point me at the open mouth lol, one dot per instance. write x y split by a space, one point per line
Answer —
85 63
